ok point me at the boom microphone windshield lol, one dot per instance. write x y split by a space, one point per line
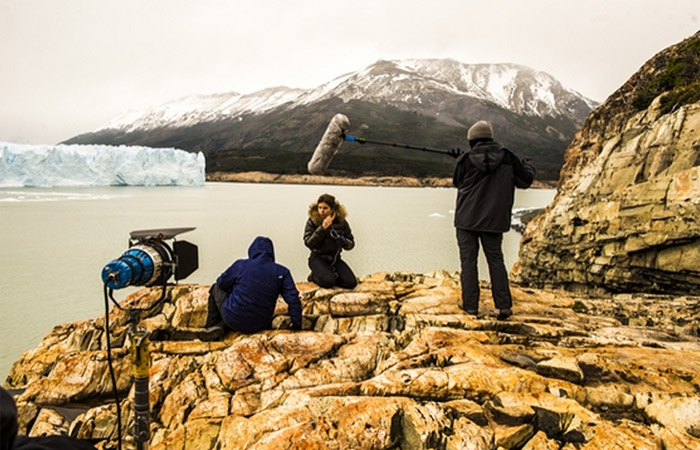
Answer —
329 145
335 135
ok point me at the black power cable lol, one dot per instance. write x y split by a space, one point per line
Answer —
108 295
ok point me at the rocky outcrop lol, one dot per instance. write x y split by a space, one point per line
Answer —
626 216
394 363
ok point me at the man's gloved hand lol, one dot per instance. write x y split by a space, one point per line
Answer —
527 162
455 152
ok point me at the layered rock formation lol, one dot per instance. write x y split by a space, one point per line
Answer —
394 364
626 216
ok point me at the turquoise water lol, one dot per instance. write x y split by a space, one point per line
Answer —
55 241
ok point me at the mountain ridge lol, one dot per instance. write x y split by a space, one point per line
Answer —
471 80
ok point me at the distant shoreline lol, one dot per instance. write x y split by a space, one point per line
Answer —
393 181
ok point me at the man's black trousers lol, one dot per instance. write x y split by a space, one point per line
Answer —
468 242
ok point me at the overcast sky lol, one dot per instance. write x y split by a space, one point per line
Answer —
69 66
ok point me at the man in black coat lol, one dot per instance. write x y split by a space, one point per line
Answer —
486 177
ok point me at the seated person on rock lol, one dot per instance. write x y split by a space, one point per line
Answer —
327 233
244 296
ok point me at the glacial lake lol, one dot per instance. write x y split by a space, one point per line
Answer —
55 241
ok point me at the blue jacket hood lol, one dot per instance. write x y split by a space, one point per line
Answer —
261 248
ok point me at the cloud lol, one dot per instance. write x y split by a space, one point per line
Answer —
76 64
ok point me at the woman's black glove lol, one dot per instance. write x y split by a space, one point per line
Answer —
339 238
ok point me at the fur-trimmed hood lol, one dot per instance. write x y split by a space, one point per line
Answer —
340 213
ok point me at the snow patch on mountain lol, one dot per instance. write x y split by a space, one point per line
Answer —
98 165
191 110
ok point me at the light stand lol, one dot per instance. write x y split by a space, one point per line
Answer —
150 261
140 368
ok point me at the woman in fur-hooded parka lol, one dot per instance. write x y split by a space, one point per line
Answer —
327 233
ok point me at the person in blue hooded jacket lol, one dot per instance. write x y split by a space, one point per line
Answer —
244 296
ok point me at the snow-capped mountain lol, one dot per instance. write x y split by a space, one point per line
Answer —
519 89
425 102
423 85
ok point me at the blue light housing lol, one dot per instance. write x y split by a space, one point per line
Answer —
138 266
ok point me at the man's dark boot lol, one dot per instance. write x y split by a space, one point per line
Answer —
471 312
504 314
213 333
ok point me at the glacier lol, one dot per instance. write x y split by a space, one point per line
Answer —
25 165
